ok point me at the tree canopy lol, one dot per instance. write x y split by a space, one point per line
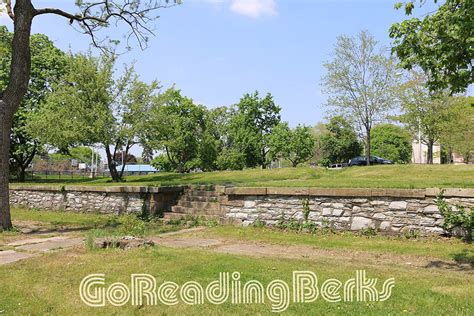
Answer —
441 43
340 143
250 127
92 107
295 145
392 142
48 65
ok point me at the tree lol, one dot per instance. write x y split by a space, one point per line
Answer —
295 145
251 125
340 143
48 63
440 43
424 112
175 126
318 131
391 142
93 17
457 134
361 81
91 107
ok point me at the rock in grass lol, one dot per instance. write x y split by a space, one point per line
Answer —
126 242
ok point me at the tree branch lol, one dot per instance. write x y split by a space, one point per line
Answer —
97 15
8 4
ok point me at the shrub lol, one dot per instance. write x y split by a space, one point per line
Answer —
458 221
369 231
306 209
259 223
131 225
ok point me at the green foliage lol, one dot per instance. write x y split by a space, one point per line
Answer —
92 106
440 43
295 145
457 134
340 143
411 233
368 231
231 159
131 225
177 126
48 65
259 223
391 142
251 124
424 113
306 209
458 221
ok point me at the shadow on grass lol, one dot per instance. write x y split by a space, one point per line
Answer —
463 261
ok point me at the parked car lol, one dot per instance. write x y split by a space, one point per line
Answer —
382 161
374 160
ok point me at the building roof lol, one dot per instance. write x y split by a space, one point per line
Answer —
138 168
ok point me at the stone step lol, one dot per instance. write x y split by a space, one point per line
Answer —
196 198
200 205
194 211
170 216
202 193
202 187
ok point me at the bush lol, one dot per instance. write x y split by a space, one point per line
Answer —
131 225
458 221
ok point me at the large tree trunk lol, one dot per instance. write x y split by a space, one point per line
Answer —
367 147
12 97
5 220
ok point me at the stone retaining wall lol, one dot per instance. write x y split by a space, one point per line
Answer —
388 210
107 200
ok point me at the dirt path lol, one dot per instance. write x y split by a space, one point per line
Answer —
260 249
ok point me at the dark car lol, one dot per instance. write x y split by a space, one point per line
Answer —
374 160
381 160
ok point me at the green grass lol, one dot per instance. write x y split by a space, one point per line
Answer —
49 284
396 176
89 223
63 219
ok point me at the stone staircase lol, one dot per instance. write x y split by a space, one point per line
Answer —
197 201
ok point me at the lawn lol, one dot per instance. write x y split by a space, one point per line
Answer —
393 176
49 284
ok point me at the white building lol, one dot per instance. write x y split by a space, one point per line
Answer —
420 153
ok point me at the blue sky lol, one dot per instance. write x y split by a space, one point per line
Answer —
216 50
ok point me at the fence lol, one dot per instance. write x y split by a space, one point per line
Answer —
46 175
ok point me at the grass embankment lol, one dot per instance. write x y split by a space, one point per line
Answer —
394 176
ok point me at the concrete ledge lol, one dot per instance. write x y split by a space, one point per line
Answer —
246 191
103 189
357 192
287 191
451 192
401 193
328 192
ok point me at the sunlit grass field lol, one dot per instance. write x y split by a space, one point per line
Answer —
393 176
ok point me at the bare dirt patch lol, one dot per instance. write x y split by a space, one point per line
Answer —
260 249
